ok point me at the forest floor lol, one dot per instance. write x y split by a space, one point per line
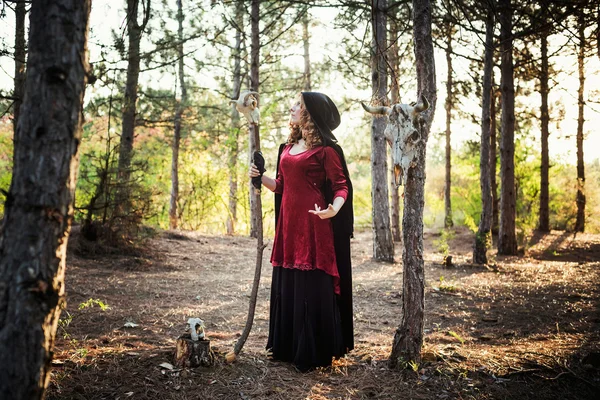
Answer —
526 327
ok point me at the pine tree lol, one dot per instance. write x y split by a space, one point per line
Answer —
39 208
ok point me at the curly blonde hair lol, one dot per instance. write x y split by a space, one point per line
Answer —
312 136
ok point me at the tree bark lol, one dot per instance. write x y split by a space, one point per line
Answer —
544 221
39 206
507 238
408 339
181 104
306 42
580 199
235 119
254 142
493 161
20 55
394 58
383 244
483 237
193 353
134 32
449 105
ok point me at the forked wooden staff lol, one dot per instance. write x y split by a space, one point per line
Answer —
247 105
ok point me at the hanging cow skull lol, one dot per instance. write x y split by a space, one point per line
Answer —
247 104
403 133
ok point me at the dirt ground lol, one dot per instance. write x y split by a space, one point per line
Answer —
523 328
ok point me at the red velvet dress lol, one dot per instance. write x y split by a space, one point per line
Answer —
304 241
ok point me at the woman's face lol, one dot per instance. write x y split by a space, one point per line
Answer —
295 113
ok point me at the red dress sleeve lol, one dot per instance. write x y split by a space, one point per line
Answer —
279 183
279 178
335 173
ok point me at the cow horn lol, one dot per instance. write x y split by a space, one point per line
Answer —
422 106
381 110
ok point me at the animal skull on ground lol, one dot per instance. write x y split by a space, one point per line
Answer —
196 328
403 134
247 104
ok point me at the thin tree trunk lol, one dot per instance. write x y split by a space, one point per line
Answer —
507 238
580 199
395 97
408 338
235 119
598 29
383 243
20 55
181 104
39 209
493 161
134 32
306 42
544 222
449 105
483 236
254 142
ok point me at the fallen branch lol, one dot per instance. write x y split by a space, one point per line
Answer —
552 379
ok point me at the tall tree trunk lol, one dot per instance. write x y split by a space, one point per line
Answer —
181 104
483 236
449 105
598 30
507 238
254 142
306 42
493 161
134 32
235 119
395 97
580 199
383 244
20 55
408 338
544 222
39 209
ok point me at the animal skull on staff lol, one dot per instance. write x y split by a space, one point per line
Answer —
247 104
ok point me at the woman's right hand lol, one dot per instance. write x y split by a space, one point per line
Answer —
253 172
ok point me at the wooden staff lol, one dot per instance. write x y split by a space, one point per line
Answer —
260 246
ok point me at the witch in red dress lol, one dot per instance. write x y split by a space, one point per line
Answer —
311 291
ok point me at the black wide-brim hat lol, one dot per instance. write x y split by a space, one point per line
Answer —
323 113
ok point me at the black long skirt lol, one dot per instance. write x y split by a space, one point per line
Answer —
304 326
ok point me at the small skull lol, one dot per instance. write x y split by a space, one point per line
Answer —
247 104
196 328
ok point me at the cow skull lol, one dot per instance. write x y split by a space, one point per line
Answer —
247 104
403 134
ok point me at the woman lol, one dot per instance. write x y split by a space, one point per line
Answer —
311 291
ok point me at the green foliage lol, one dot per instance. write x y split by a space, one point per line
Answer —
466 193
408 364
444 286
91 303
442 244
6 159
63 324
456 336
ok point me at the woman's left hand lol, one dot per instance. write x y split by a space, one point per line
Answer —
329 212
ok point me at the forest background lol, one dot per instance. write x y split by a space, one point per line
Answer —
213 153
